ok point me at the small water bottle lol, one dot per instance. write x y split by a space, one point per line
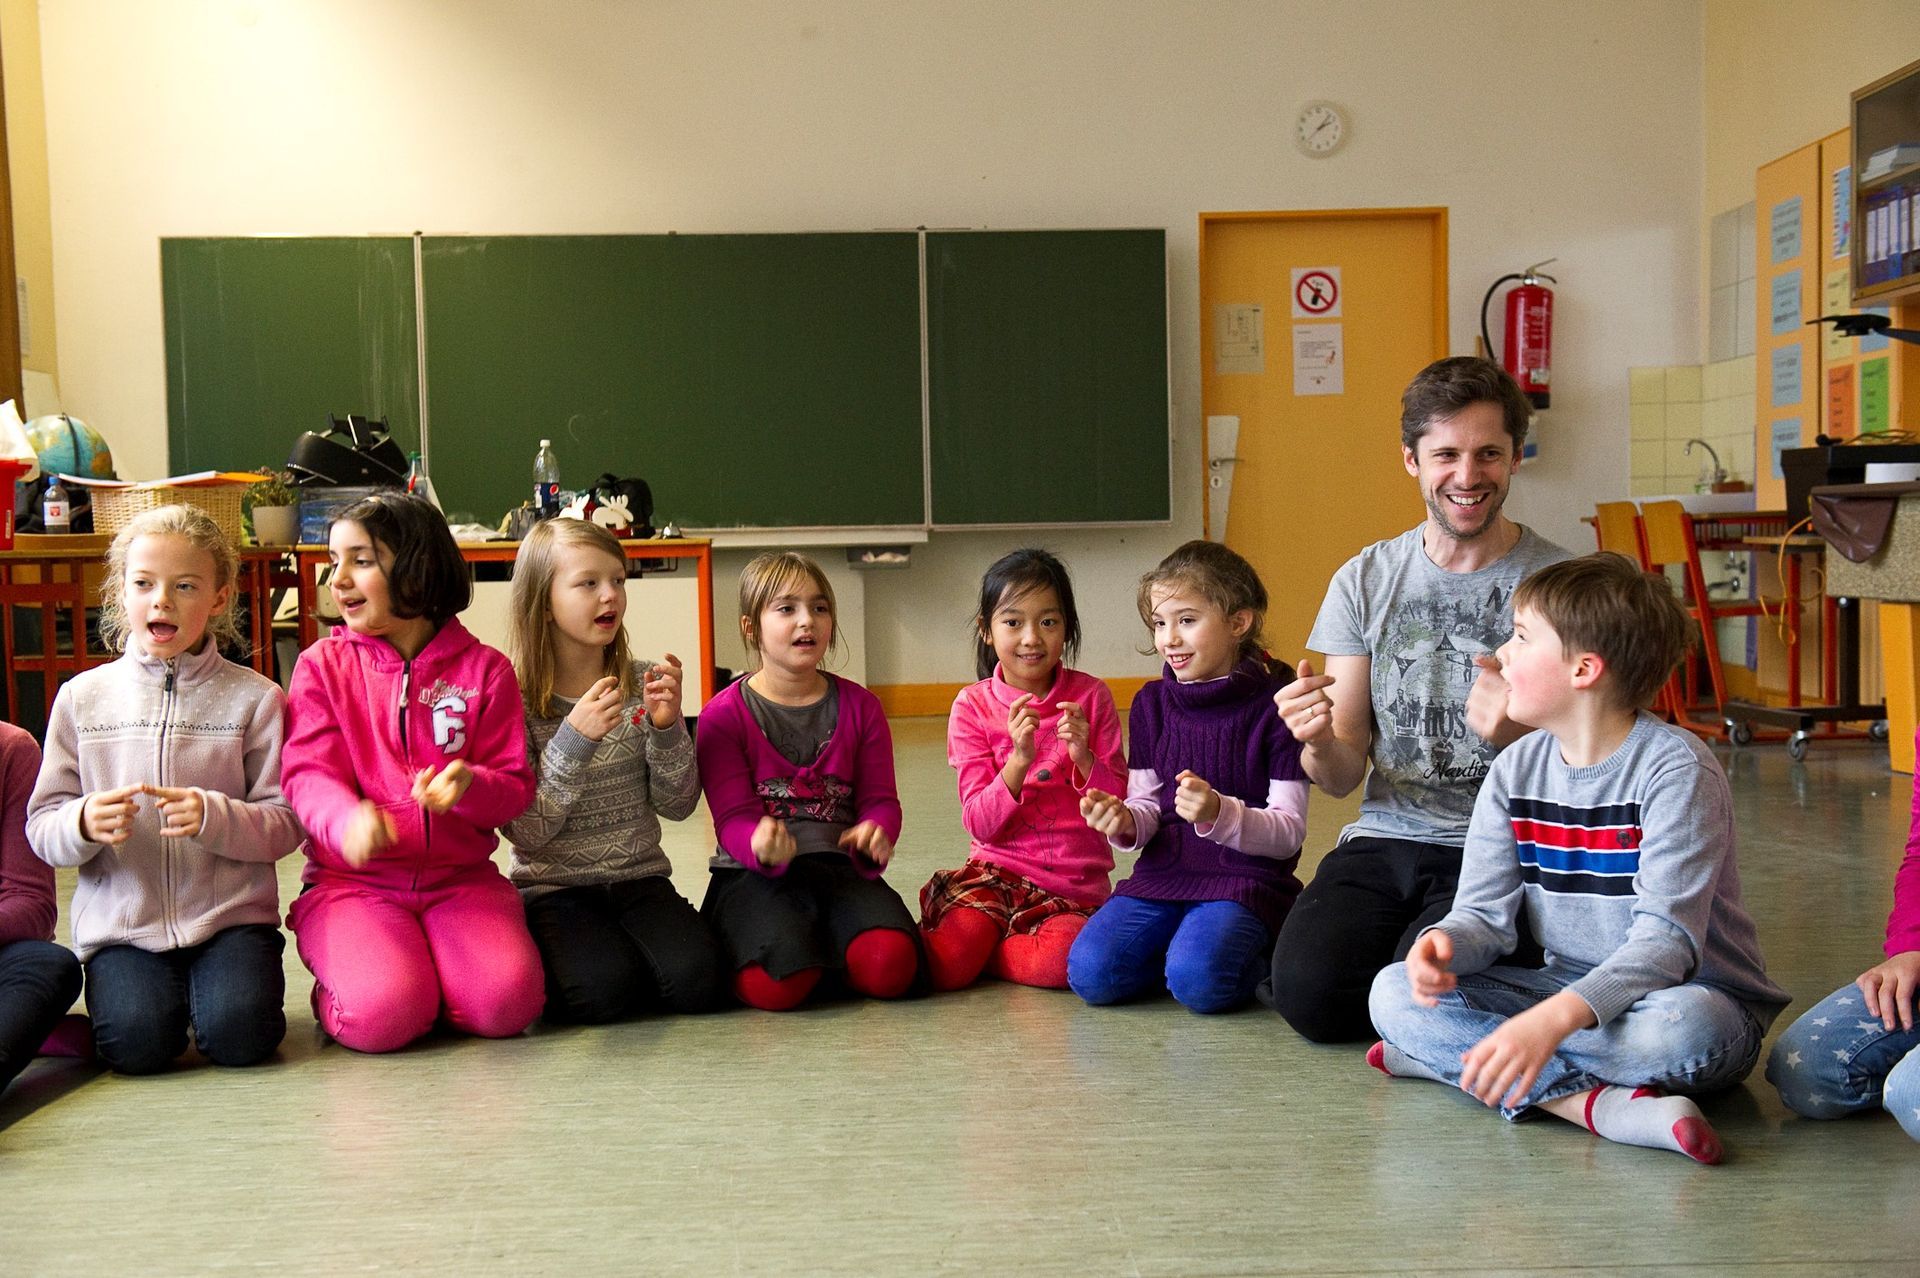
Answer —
546 481
419 483
56 514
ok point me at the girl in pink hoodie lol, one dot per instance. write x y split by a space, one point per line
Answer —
406 747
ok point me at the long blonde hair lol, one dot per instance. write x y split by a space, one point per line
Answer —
197 528
767 577
530 615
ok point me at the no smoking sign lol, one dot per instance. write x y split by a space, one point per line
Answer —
1316 292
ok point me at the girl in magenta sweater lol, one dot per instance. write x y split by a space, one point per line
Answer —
797 765
1027 740
406 746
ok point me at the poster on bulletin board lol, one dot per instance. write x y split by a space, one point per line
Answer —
1786 302
1786 376
1784 231
1840 401
1786 434
1842 210
1873 397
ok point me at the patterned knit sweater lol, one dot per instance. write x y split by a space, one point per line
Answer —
596 811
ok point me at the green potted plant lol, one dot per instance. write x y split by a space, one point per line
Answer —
273 507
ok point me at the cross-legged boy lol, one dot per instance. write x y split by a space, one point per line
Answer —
1614 831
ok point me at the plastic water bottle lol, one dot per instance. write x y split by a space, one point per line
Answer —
56 514
546 481
419 483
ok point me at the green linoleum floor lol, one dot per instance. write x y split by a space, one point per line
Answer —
997 1130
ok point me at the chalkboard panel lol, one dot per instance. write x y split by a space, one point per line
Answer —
1048 376
751 380
266 336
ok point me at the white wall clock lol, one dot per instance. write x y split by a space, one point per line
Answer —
1320 129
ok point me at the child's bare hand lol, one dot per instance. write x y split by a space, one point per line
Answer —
1304 705
869 842
183 810
662 692
1023 725
1109 815
772 842
1502 1067
369 833
1076 734
437 790
107 815
1487 701
1428 964
1890 989
597 711
1194 800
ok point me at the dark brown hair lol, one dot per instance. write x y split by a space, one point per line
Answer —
428 578
1217 575
1446 386
1604 604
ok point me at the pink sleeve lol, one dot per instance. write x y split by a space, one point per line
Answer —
723 754
497 752
316 773
875 796
1109 756
26 882
1903 925
986 805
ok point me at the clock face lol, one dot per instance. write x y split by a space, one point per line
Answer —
1320 129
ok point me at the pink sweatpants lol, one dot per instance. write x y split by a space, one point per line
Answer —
386 962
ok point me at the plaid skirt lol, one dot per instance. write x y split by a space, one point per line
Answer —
1015 902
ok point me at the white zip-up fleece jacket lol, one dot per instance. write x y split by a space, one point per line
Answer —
199 721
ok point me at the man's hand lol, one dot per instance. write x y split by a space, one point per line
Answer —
1429 967
1108 814
1487 705
1195 801
183 810
1305 707
1890 988
772 842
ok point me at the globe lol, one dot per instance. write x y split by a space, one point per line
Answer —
66 446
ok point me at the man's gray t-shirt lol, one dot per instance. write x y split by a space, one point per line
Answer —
1422 626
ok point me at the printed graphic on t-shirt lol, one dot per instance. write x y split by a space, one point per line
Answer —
1577 851
1423 670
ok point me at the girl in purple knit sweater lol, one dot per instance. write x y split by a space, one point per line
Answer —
1216 800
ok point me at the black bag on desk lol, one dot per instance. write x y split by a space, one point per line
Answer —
630 496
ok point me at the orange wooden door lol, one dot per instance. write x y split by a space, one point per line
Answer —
1318 476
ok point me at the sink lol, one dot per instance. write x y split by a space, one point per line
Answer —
1707 503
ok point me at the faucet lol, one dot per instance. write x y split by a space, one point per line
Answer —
1719 471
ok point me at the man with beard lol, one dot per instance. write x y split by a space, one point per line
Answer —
1408 628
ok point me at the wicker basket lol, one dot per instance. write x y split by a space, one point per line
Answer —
114 508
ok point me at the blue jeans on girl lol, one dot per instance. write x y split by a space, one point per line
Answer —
1686 1039
1839 1059
1208 954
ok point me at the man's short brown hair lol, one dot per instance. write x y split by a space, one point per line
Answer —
1604 604
1447 386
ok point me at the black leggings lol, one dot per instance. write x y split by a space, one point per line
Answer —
616 950
38 983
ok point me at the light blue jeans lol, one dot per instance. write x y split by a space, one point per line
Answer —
1838 1059
1686 1038
1209 954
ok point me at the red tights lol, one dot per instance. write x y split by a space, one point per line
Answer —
881 963
967 942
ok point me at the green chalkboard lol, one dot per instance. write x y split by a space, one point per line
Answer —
751 380
266 336
1047 376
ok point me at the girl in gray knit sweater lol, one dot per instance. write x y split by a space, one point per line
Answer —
613 756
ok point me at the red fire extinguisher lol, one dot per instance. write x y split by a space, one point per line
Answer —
1528 351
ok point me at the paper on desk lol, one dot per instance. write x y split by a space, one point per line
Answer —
13 442
199 479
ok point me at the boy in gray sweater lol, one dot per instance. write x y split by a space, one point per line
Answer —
1614 831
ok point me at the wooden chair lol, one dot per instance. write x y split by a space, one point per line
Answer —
1667 533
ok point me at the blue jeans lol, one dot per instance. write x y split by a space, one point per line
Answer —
1686 1038
38 983
1838 1059
229 988
1209 954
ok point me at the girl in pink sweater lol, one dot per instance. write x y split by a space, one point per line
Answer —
797 765
1028 741
406 747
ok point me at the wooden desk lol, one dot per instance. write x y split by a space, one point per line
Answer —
52 574
309 560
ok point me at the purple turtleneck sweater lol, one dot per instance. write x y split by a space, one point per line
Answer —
1226 732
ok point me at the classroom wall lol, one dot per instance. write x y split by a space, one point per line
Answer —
1779 74
27 172
242 116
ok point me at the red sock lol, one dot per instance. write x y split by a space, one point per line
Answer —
959 946
881 962
1039 958
752 986
73 1036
